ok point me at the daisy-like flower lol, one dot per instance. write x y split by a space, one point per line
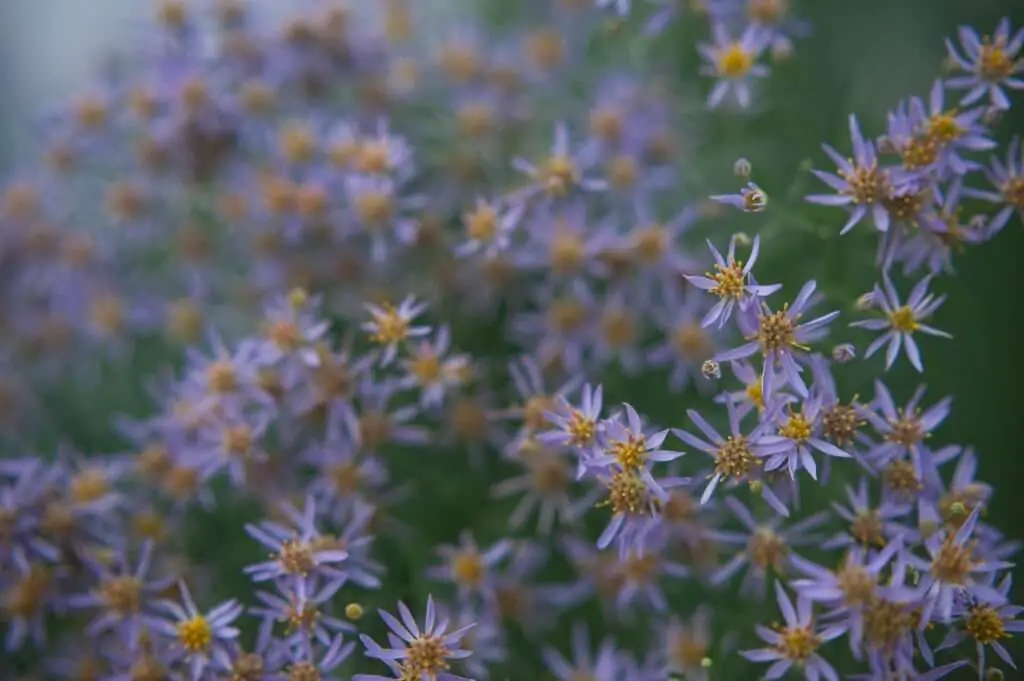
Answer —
731 282
469 567
733 62
950 131
298 553
987 620
304 664
431 369
390 326
902 320
199 637
779 335
576 427
954 567
605 665
989 64
489 227
802 430
903 430
868 526
562 172
859 182
795 643
421 654
1008 180
738 457
627 446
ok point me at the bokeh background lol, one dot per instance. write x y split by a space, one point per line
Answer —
862 57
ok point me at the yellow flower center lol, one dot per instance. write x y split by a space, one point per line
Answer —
391 327
867 184
729 280
468 568
631 452
734 61
796 428
943 127
627 494
985 625
195 635
558 175
903 320
734 458
797 644
994 64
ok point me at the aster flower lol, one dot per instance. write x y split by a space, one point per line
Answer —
575 427
1008 180
431 368
767 546
124 596
803 431
418 653
563 171
954 567
29 596
468 567
904 430
298 551
489 226
867 526
545 484
731 282
779 335
859 183
847 589
902 320
301 612
733 62
641 569
303 662
626 446
687 344
986 619
737 458
604 665
796 642
391 326
199 637
989 64
634 495
951 130
688 643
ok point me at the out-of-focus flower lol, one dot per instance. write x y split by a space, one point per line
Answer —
733 62
989 64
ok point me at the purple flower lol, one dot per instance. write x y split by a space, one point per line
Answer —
125 596
199 637
546 482
301 612
418 653
737 458
796 642
778 335
626 446
903 430
860 183
469 567
802 431
767 547
1008 180
432 370
575 427
602 666
902 320
305 665
390 326
733 62
953 567
868 526
989 64
986 619
298 554
562 173
731 282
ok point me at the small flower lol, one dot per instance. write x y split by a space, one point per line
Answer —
575 427
802 430
731 282
1008 180
391 326
988 620
489 227
860 183
733 62
626 446
297 553
469 567
990 63
796 642
779 336
562 172
201 637
420 653
902 320
750 199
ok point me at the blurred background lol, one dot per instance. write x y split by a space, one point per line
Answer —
862 57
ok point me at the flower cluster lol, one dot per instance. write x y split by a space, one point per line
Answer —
432 329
